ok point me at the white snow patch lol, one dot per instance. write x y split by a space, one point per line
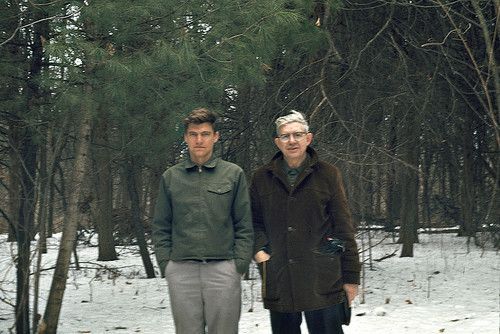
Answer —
443 289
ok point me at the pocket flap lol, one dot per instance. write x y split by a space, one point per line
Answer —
219 188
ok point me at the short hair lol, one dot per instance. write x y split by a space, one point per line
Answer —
199 116
293 117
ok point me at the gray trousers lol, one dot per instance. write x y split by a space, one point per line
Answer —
204 297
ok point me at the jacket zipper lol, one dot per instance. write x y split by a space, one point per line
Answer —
200 191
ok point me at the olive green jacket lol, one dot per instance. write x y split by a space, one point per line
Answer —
203 213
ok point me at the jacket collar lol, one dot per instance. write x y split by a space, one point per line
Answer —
210 164
274 167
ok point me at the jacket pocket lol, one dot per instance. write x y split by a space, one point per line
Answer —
218 200
327 274
219 188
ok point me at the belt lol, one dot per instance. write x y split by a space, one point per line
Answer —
206 260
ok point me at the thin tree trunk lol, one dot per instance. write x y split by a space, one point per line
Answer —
27 155
131 173
73 216
14 180
426 188
468 199
45 204
393 186
24 233
103 213
410 183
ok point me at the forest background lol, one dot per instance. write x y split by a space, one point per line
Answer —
402 95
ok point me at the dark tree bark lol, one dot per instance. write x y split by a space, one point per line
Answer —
132 186
468 199
410 183
103 212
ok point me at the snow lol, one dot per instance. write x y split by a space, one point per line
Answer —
442 289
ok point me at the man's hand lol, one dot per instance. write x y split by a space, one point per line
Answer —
261 256
351 290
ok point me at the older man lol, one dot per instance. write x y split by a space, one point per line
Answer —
304 236
202 232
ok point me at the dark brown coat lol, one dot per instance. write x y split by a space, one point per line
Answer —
293 223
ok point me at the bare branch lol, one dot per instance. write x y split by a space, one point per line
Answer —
444 40
19 27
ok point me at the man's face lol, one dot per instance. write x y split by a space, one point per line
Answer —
296 141
200 139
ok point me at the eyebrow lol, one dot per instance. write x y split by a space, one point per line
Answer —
291 133
201 132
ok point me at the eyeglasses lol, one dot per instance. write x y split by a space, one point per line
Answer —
285 137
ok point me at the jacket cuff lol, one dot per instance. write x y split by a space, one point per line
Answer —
241 266
163 266
350 277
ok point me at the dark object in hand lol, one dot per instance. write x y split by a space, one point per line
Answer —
332 246
346 319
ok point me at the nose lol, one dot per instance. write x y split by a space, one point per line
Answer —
292 138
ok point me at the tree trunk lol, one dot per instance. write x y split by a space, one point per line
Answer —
45 206
27 157
393 185
467 184
103 216
409 195
14 179
409 212
24 232
73 216
131 173
426 188
42 198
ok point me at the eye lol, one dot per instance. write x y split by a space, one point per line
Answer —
299 135
284 137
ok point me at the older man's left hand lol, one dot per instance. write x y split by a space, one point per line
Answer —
351 291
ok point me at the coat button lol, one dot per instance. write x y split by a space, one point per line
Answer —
291 261
290 229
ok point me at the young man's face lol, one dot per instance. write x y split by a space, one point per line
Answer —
296 142
200 139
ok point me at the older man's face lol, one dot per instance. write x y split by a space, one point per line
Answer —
292 141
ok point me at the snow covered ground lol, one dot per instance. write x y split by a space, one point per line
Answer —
443 289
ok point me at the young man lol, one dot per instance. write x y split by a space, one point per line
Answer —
202 233
304 237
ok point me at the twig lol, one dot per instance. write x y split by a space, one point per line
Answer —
19 27
386 256
445 37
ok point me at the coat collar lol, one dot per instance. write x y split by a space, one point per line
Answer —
274 167
274 164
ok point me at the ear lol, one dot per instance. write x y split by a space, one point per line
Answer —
309 138
216 136
277 141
